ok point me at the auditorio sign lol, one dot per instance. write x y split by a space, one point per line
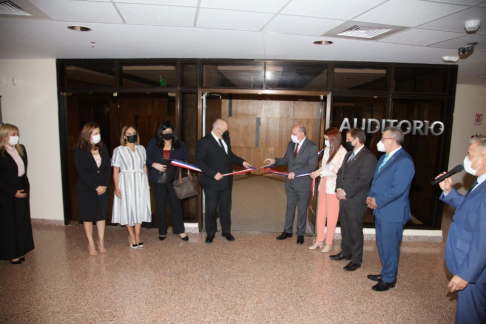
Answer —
371 125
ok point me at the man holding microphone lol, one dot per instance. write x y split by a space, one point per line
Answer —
465 252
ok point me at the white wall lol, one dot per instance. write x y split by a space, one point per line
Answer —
32 106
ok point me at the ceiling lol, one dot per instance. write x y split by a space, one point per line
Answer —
422 31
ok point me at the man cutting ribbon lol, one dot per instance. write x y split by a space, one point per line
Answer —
300 157
214 157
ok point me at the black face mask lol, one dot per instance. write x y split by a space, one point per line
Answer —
225 135
132 138
167 137
349 146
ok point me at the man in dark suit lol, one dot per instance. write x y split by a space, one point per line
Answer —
352 185
214 157
389 199
300 157
465 252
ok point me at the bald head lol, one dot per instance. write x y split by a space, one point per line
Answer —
219 127
299 131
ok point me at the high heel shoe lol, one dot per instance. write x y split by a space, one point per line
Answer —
16 262
92 252
327 248
185 237
316 245
133 246
22 258
140 245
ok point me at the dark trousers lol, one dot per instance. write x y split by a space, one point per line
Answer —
388 238
294 198
351 221
213 199
165 192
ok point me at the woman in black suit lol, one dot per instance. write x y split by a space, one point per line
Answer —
94 171
166 145
16 229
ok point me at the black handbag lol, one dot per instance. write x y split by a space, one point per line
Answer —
186 187
169 174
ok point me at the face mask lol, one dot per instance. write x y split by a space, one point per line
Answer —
467 166
326 142
95 139
13 140
167 137
349 146
294 139
225 135
380 146
132 138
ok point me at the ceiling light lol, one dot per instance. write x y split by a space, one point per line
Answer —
450 59
79 28
323 42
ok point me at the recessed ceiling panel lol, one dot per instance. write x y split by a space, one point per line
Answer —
271 6
84 11
456 21
181 3
409 13
337 9
301 25
235 20
422 37
157 15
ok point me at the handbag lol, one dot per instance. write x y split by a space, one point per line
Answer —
186 187
169 174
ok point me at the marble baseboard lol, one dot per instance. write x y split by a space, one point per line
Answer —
41 221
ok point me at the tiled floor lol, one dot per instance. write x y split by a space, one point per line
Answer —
255 279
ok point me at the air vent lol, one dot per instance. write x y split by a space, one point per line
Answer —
364 32
10 8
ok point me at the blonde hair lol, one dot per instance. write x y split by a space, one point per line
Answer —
4 130
123 141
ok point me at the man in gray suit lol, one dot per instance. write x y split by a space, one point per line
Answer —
352 185
300 157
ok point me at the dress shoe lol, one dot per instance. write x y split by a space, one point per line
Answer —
375 277
184 237
229 237
327 248
339 256
209 239
316 245
16 262
300 239
284 235
22 259
383 286
162 237
133 246
351 266
140 245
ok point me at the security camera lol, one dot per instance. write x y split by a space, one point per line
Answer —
466 49
472 26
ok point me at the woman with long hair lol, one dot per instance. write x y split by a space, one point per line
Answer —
131 205
94 171
163 147
16 229
328 204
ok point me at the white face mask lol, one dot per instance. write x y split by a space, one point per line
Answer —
294 139
95 139
380 146
326 142
467 166
13 140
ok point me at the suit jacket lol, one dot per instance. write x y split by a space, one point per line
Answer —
465 252
89 175
304 162
391 187
155 154
354 178
9 174
211 158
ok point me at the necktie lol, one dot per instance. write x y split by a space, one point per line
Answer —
222 146
296 149
475 183
384 161
351 157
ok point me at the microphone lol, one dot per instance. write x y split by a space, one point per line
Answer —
458 168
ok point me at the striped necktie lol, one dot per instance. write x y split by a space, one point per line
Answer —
351 157
384 161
